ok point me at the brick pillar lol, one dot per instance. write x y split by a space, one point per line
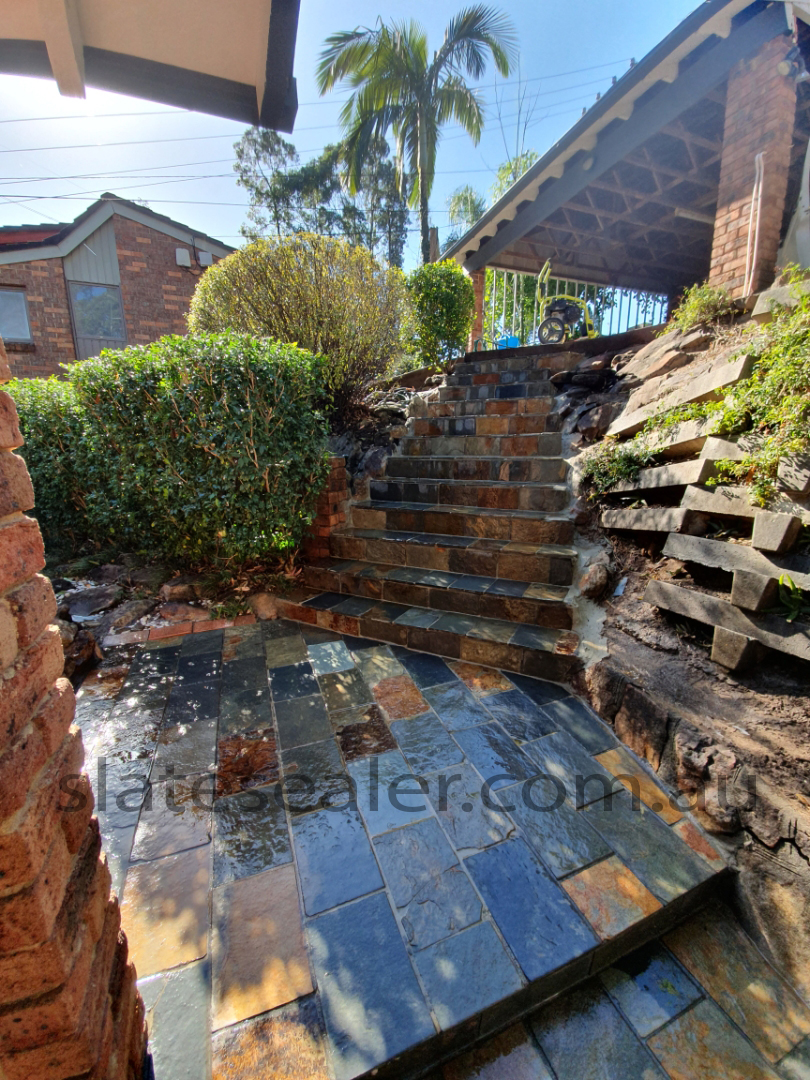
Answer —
760 113
68 1002
479 281
330 511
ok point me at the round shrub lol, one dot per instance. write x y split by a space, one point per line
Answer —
317 291
206 448
444 299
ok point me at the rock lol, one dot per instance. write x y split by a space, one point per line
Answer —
176 613
642 725
606 688
372 463
775 532
715 813
417 406
183 588
594 380
594 423
86 602
124 615
794 473
699 338
108 573
594 363
561 378
149 577
67 631
61 584
581 512
263 605
594 581
80 652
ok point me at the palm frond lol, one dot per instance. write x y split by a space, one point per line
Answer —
454 100
470 36
346 52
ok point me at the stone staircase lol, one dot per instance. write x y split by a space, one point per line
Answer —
464 547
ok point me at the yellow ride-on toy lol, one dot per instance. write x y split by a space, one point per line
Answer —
561 313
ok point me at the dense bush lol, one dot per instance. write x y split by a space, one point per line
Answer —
204 448
318 292
702 305
444 302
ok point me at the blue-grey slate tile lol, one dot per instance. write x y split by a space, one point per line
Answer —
495 755
650 987
519 715
425 743
424 669
536 918
296 680
335 860
314 777
574 716
388 794
176 1005
373 1011
455 706
250 834
330 656
469 816
562 757
796 1064
345 689
302 720
324 601
186 748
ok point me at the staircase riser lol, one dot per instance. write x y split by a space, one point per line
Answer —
537 407
439 426
546 444
503 377
497 391
514 566
435 493
516 470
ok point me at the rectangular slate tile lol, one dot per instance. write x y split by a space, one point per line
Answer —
302 720
176 1004
314 777
425 743
409 575
330 657
632 774
193 701
242 643
558 833
335 860
539 690
359 644
611 897
324 601
297 680
416 616
258 953
473 583
316 635
424 669
796 1064
361 732
186 748
278 1044
492 630
177 818
157 661
456 707
456 624
511 1055
345 690
245 696
538 921
494 755
563 758
583 1035
653 851
373 1011
507 587
439 579
573 715
250 834
482 681
198 645
286 651
699 843
377 663
399 697
535 637
650 987
246 760
388 794
354 605
466 973
519 715
275 629
199 667
431 891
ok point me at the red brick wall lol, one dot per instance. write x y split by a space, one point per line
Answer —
330 511
760 114
46 291
156 292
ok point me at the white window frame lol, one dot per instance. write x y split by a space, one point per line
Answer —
18 340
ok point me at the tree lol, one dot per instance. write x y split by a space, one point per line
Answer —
395 85
262 161
511 170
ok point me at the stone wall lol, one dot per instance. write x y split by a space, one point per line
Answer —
43 282
331 511
760 114
68 1001
479 281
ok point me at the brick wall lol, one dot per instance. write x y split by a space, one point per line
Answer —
760 114
331 511
479 284
46 291
155 291
68 1001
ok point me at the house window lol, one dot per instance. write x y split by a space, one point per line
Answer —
97 311
14 324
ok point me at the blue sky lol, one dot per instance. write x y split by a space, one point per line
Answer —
58 154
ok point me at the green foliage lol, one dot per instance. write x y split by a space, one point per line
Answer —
701 305
510 171
793 603
204 449
321 293
444 301
611 462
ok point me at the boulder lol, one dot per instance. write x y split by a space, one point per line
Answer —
109 573
263 605
594 380
124 615
148 577
594 423
183 588
86 602
642 724
81 651
606 688
67 631
594 581
177 613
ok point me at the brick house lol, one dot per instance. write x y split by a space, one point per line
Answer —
118 275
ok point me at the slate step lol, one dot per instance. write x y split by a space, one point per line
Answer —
522 526
437 426
501 377
517 470
528 602
544 444
495 495
537 407
678 474
550 563
498 391
539 651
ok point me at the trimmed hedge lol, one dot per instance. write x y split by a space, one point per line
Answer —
444 301
206 448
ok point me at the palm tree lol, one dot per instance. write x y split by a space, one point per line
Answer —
395 85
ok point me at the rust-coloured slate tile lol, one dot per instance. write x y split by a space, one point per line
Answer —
400 697
247 760
628 771
610 897
482 681
286 1044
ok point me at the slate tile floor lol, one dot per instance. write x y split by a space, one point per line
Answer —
332 852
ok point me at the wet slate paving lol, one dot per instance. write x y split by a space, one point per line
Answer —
407 797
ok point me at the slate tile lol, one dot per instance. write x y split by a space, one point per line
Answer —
457 624
314 777
610 897
399 697
324 601
563 758
493 630
302 720
335 860
243 709
242 643
796 1065
655 854
275 629
377 663
176 818
250 834
316 635
473 583
471 819
117 848
408 575
638 781
297 680
456 707
190 701
287 1041
507 587
199 645
422 617
583 1035
284 652
354 605
494 755
432 893
361 732
186 748
519 715
247 760
157 661
198 667
424 669
120 790
345 690
176 1006
388 794
425 743
465 973
536 918
719 954
258 953
143 692
558 833
539 690
703 1042
650 987
511 1055
372 1011
439 579
482 681
699 843
329 657
359 644
572 715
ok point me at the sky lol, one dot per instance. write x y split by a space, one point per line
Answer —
59 154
